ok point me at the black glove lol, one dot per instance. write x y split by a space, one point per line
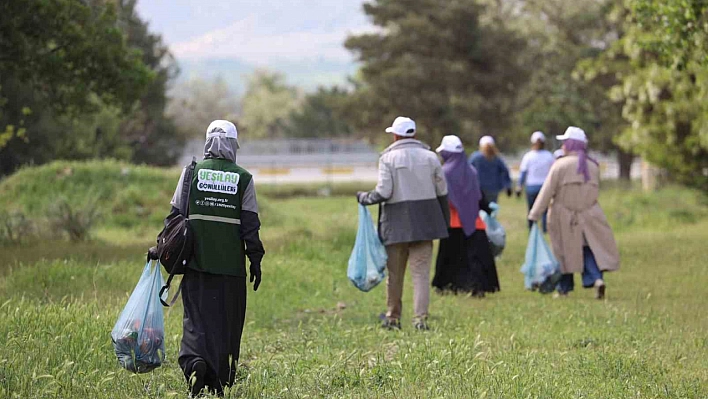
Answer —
256 275
508 192
152 254
360 196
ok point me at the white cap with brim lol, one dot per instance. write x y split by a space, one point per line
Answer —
402 126
574 133
451 143
486 140
538 136
222 128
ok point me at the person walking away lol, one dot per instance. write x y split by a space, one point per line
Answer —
414 211
223 212
535 166
465 261
493 173
581 237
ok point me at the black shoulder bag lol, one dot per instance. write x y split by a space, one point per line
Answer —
175 243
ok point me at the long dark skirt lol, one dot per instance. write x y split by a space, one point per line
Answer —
214 313
466 264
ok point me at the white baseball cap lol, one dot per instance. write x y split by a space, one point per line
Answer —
451 143
402 126
538 136
574 133
486 140
222 128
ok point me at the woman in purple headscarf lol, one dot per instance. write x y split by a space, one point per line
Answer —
465 262
581 238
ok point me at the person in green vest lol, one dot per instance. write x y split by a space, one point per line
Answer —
223 213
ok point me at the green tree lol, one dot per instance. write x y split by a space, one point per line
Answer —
320 115
676 31
64 50
90 82
266 105
563 36
440 63
197 102
663 92
154 138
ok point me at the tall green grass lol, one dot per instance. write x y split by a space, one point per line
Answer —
310 333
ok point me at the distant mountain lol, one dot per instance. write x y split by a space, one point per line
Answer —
306 74
230 38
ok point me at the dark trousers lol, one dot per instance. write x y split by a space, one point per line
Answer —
214 314
491 195
591 273
531 195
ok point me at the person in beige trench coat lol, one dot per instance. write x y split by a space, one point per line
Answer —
581 237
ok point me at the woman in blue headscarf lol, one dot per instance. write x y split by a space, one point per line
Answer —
465 262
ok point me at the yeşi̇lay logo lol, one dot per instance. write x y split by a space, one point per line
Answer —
217 181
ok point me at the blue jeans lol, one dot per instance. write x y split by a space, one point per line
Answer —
591 273
531 195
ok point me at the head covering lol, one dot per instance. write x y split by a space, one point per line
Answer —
402 126
451 144
574 133
538 136
221 141
580 148
486 140
463 188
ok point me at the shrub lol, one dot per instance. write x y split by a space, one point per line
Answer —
73 218
15 227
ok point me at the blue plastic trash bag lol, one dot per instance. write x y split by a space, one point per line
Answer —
139 334
541 269
495 231
367 263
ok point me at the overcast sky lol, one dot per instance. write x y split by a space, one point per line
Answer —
260 32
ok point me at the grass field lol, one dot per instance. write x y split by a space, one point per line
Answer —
311 334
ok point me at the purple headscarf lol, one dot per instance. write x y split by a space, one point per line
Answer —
580 148
463 188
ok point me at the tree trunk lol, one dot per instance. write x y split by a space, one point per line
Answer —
625 164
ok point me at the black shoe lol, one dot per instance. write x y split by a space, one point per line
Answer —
196 377
391 324
600 289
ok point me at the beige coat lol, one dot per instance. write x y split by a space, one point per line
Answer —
575 218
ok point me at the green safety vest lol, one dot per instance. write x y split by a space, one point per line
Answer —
215 217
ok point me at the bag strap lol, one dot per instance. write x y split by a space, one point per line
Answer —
378 224
166 287
187 187
184 209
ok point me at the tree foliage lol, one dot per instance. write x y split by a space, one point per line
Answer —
320 115
153 137
82 79
562 35
197 102
64 49
663 91
441 64
677 30
268 102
